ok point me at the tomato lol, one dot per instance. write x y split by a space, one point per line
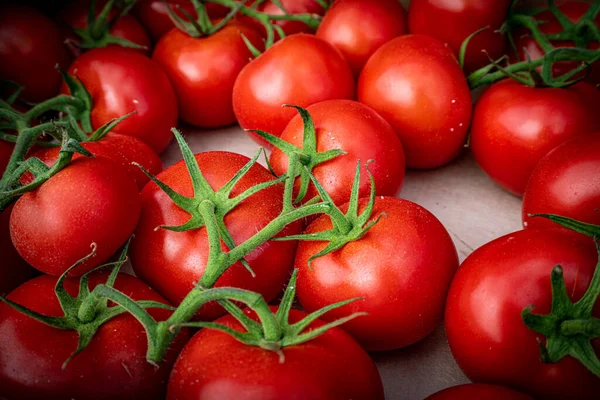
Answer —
173 262
121 149
509 137
528 47
203 71
113 366
348 125
14 270
477 391
301 70
30 48
452 21
126 27
293 7
90 201
359 27
486 333
121 81
396 82
566 182
402 268
329 367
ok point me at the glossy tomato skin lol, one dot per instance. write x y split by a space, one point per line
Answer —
14 270
483 321
396 82
330 367
112 367
122 149
478 391
203 71
360 132
301 70
92 200
293 7
121 81
175 273
30 48
402 268
566 182
509 137
359 27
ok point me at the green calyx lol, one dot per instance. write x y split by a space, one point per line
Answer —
97 33
86 312
308 156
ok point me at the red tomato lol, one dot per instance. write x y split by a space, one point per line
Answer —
348 125
528 47
509 137
203 71
478 391
126 27
90 201
329 367
402 268
121 81
113 366
173 262
301 70
30 48
121 149
566 182
397 81
359 27
293 7
452 21
494 284
14 270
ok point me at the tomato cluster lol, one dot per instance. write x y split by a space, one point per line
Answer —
346 95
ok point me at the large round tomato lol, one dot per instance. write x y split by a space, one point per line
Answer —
349 126
121 149
402 268
452 21
90 201
478 391
14 270
121 81
30 48
173 262
359 27
293 7
486 333
509 137
112 367
329 367
397 82
203 71
529 49
301 70
566 182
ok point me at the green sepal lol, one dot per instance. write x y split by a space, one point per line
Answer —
463 47
83 112
577 226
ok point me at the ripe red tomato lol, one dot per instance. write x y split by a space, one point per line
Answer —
397 81
121 81
203 71
293 7
452 21
494 284
90 201
528 47
566 182
14 270
478 391
173 262
126 27
509 137
348 125
121 149
30 48
402 268
301 70
329 367
113 366
359 27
